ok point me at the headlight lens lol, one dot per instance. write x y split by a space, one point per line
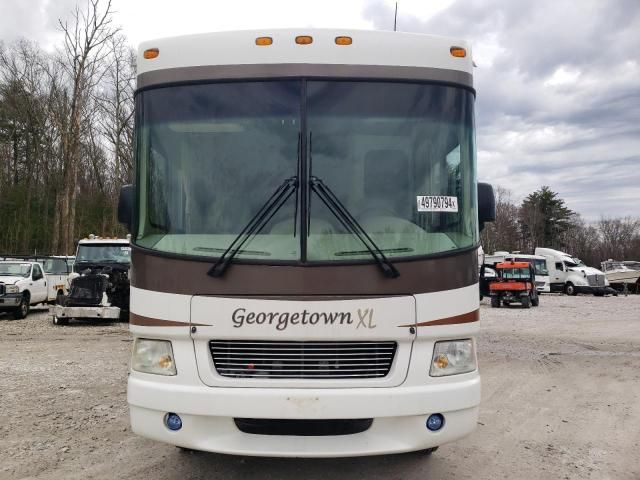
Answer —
453 357
12 289
153 356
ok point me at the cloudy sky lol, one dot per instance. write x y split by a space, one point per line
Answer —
558 81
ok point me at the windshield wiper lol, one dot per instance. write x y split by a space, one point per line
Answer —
351 224
257 223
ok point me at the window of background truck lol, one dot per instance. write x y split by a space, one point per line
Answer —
116 253
210 156
379 146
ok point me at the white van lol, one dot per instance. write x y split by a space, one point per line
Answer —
570 275
538 262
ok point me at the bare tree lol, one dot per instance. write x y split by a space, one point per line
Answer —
502 234
86 47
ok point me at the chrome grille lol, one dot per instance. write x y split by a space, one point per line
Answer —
595 280
303 360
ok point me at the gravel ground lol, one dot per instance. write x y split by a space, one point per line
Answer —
561 400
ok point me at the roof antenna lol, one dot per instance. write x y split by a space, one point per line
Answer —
395 19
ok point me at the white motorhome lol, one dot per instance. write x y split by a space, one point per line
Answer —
538 262
570 275
304 243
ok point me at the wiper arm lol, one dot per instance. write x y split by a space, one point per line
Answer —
257 223
351 224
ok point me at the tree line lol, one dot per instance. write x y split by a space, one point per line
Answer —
66 133
543 220
66 140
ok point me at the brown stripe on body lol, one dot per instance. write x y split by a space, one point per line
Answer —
249 72
189 277
468 317
135 319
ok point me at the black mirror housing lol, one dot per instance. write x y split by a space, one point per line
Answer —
486 204
125 206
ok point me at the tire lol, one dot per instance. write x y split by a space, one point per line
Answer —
59 321
569 289
526 302
429 451
23 310
495 302
535 299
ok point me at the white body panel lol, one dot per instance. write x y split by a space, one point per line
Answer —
399 403
368 48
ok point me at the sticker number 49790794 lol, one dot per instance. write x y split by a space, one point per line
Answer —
437 203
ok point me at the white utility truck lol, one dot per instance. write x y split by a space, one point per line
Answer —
99 285
22 284
304 243
570 275
538 262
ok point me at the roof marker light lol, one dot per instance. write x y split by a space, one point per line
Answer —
264 41
304 40
344 40
458 52
150 53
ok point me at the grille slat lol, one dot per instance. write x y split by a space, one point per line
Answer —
302 360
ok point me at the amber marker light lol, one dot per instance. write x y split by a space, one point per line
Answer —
264 41
150 53
304 40
441 361
165 361
344 41
458 52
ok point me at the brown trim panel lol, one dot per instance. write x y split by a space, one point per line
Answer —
468 317
189 277
292 70
140 320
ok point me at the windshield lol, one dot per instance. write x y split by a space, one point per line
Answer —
516 273
103 253
538 264
56 266
399 156
15 269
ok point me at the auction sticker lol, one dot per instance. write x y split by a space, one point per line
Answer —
437 203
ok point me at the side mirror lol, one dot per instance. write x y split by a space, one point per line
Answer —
486 204
125 206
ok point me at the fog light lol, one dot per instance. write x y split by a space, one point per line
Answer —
174 422
435 422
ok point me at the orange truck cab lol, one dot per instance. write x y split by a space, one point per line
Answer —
515 283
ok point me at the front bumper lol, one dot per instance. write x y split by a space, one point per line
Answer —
10 301
594 290
399 416
108 313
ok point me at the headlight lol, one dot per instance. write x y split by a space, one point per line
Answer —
453 357
153 356
12 289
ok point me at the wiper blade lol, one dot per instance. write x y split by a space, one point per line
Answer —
257 223
351 224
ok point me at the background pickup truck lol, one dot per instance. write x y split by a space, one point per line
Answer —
22 284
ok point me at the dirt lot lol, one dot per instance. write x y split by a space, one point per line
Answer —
561 400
